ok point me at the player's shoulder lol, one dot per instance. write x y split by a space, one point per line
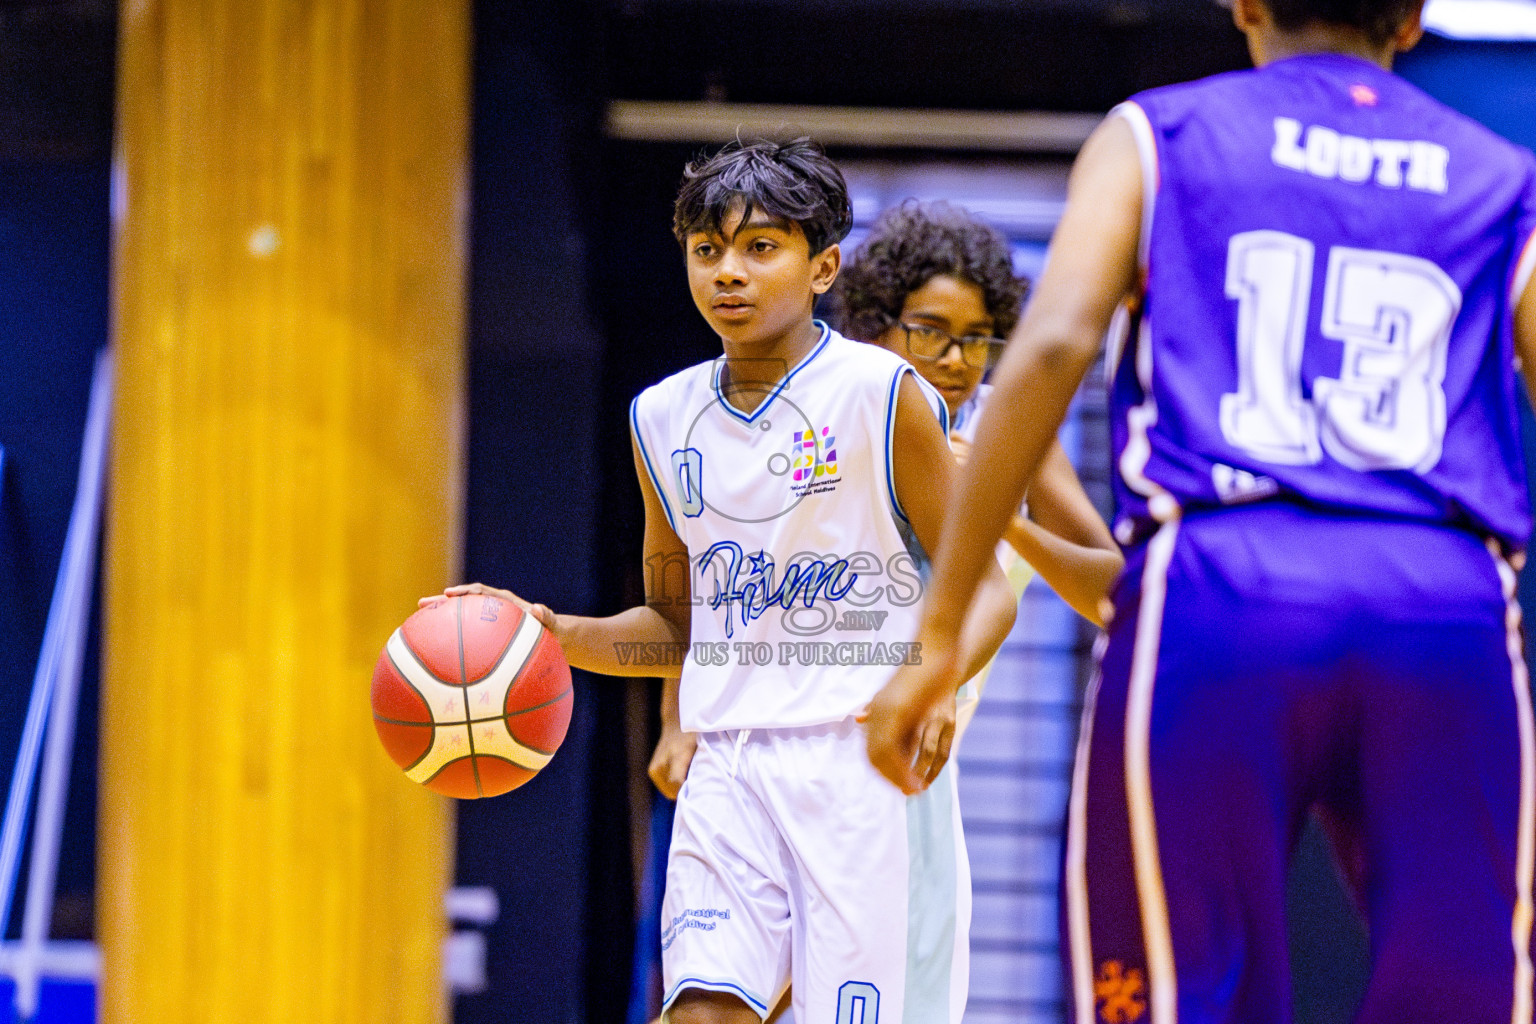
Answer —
1318 80
676 387
1191 93
860 358
856 371
1341 96
861 375
1445 123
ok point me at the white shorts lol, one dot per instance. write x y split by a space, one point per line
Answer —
793 858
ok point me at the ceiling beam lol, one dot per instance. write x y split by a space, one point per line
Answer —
872 127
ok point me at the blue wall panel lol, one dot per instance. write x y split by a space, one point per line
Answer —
53 320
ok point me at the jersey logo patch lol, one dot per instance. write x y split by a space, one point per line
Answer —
813 462
813 456
1120 993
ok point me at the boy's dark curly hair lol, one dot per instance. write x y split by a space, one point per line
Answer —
912 243
793 180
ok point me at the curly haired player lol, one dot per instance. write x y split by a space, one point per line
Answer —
936 286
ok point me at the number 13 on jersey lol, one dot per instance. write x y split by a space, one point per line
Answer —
1392 313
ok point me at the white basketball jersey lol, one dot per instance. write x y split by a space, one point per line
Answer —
805 593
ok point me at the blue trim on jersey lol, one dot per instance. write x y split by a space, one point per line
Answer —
940 410
826 336
1525 269
890 440
645 456
715 986
969 410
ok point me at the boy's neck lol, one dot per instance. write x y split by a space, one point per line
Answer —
752 370
1318 37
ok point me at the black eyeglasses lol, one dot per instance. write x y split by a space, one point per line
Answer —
931 344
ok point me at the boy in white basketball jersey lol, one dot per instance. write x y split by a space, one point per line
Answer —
790 489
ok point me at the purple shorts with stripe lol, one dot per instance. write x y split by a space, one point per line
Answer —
1268 660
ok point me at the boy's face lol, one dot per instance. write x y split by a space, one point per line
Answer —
958 308
755 279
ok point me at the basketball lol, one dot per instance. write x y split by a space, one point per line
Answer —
471 696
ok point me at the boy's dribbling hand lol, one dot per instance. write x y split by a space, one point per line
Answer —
540 612
910 723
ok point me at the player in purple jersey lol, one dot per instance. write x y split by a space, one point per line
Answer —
1320 287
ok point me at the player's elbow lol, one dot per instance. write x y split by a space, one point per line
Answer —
1068 348
1057 348
1001 607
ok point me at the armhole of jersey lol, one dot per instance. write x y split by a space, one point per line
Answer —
1146 146
645 457
1524 268
1121 323
891 396
940 410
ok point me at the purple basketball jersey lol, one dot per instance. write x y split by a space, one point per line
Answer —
1330 257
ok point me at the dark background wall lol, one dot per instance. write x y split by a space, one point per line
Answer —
557 850
53 319
56 78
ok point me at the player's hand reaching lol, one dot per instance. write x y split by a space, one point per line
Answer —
542 613
961 448
670 761
910 724
935 737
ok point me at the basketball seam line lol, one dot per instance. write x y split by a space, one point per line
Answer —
476 721
464 683
533 649
496 757
469 722
396 666
474 766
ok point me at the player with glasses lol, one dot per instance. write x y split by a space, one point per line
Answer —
935 285
930 344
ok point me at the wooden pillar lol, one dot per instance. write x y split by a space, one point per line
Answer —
290 198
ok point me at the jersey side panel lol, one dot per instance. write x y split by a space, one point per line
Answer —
1525 233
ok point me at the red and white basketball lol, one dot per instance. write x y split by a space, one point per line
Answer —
471 696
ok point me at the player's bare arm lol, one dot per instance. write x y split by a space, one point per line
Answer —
595 644
925 473
1091 271
924 470
1065 539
